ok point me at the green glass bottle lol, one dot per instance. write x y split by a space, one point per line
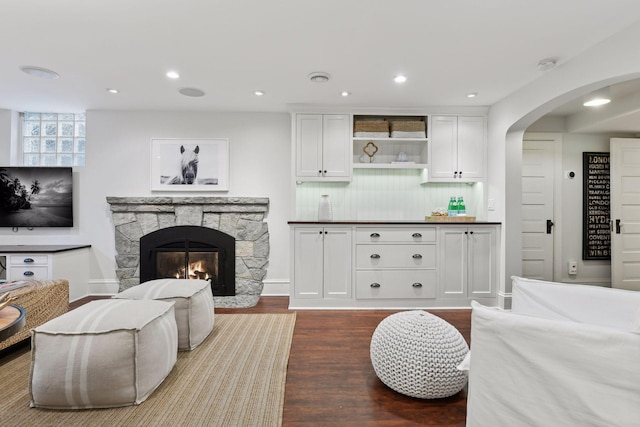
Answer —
462 209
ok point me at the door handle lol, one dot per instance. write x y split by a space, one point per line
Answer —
618 226
549 225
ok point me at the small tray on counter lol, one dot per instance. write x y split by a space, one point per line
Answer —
444 218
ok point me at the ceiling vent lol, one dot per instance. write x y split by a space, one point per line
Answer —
191 91
319 77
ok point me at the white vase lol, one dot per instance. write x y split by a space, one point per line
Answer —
325 212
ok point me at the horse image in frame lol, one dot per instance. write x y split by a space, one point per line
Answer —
190 164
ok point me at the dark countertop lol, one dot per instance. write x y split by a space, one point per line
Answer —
24 249
387 222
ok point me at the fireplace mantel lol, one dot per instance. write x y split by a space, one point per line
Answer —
241 217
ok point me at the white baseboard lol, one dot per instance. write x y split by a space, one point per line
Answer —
276 288
103 287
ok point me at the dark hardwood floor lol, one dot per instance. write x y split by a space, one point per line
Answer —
330 380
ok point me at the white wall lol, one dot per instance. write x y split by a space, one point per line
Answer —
118 164
609 62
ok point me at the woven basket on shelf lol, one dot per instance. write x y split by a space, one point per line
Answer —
407 126
371 126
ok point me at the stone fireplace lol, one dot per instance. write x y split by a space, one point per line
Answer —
240 218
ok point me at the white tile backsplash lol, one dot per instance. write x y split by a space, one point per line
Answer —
384 194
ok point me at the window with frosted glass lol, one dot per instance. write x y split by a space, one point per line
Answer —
53 139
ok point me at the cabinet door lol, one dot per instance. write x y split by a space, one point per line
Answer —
443 158
471 148
309 145
338 266
482 262
452 270
336 146
308 264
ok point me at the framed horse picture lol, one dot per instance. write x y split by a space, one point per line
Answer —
190 164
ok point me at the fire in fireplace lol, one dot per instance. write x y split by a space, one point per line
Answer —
190 252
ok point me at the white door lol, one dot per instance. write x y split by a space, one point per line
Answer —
537 208
481 242
308 265
625 213
443 147
309 145
471 147
452 269
337 263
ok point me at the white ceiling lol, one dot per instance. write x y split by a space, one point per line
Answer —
229 48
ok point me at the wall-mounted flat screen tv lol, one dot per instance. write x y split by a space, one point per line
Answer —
36 196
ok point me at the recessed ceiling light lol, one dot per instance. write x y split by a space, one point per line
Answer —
258 93
345 93
173 75
319 77
597 98
547 64
400 79
43 73
113 90
191 91
472 94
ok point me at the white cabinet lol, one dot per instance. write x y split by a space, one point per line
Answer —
457 149
468 261
49 262
323 147
322 264
395 263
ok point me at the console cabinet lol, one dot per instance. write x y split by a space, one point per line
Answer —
393 265
322 147
457 149
51 262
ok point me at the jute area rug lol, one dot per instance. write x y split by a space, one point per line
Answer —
236 377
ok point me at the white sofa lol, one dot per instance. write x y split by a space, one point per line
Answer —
565 355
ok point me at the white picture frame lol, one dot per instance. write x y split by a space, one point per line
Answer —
173 161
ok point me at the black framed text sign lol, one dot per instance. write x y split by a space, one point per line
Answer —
596 234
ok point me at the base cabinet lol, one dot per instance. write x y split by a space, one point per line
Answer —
395 267
322 265
468 262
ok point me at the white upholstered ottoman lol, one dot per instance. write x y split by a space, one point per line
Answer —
417 353
194 306
104 354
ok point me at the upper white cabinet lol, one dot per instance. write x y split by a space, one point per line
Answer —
323 147
401 143
457 149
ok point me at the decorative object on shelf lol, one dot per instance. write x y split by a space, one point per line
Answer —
363 159
325 211
402 157
190 164
370 150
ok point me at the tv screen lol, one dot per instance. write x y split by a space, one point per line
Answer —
36 196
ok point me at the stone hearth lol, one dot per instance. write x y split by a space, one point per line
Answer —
240 217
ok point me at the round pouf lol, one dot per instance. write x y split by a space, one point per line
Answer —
417 354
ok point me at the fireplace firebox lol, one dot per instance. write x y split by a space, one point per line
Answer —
190 252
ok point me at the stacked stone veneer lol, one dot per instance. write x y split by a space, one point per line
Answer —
240 217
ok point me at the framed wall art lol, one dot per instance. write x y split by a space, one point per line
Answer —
190 164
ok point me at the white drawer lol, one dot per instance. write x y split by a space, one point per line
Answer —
33 273
28 259
383 284
395 256
403 235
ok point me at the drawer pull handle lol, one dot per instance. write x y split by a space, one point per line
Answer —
375 256
417 285
375 285
374 235
28 273
417 256
416 235
28 260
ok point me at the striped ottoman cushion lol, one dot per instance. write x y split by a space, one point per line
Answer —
104 354
194 306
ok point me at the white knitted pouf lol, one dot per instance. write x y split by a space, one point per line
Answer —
417 354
